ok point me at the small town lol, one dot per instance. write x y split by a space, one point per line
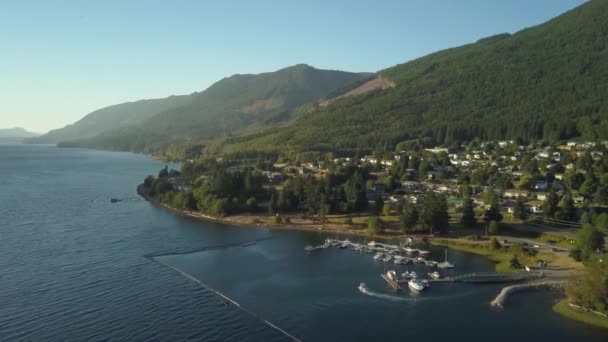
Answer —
555 184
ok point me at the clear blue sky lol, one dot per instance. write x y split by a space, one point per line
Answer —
60 60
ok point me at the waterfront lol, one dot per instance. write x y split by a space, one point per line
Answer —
73 269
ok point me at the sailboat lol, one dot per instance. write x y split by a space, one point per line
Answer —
446 264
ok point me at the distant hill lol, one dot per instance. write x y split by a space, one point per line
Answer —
16 134
546 82
240 103
112 118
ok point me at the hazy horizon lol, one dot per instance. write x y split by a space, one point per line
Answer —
70 61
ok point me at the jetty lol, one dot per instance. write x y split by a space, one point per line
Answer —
502 297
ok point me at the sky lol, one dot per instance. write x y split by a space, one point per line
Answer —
60 60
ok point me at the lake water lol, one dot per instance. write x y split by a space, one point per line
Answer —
72 268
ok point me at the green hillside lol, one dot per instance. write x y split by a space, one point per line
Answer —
546 82
233 105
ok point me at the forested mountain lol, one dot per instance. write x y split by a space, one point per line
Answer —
112 118
545 82
236 104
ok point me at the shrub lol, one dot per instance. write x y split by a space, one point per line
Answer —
494 244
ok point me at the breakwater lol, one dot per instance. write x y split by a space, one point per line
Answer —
506 292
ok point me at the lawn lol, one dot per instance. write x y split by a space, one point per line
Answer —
501 256
590 318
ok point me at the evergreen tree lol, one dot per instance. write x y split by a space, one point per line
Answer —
492 213
568 208
589 185
468 213
588 240
386 209
374 225
323 210
550 204
493 228
409 218
434 214
519 210
378 204
273 206
601 195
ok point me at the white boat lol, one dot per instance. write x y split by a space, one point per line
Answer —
406 275
431 263
387 258
413 275
371 244
420 260
392 275
415 285
363 288
378 256
435 275
410 250
424 253
446 264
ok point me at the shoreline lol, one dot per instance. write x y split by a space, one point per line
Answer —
567 310
241 221
453 243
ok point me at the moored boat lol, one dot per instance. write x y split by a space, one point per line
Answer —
435 275
446 264
415 285
410 250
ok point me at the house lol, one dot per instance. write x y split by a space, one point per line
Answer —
559 176
542 155
516 193
578 199
541 196
369 159
296 170
180 183
437 150
534 207
597 154
410 185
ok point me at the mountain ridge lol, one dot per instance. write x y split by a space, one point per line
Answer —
542 83
241 102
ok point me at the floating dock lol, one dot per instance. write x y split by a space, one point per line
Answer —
490 277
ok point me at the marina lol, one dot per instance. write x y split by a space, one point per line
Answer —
399 255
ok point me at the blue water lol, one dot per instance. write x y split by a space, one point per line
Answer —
72 268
